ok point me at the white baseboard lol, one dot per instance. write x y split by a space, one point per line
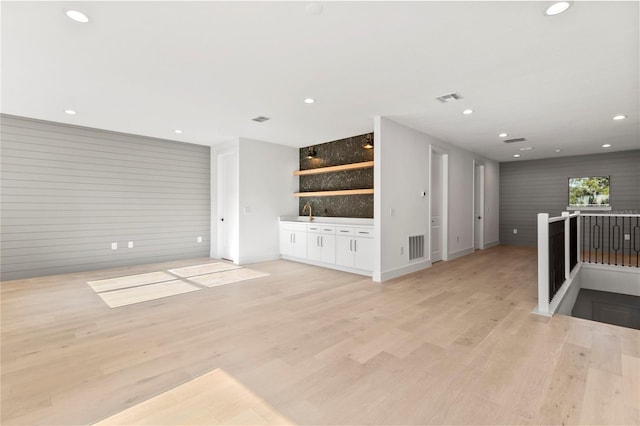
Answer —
403 270
460 253
492 244
257 259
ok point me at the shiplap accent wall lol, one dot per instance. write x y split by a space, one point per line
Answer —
68 192
541 186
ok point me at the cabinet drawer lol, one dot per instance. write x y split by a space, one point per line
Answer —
344 230
321 229
293 226
363 232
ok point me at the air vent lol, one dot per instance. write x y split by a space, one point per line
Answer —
514 140
449 98
261 119
416 247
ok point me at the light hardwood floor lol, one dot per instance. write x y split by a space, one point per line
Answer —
452 344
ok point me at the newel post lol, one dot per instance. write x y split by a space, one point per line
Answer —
543 263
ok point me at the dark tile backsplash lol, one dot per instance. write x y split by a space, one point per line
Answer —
343 151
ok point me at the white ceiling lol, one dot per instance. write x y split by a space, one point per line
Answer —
207 68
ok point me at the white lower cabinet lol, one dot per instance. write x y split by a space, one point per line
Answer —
354 248
347 248
321 243
293 240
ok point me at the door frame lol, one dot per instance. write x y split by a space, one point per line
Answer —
478 165
218 152
444 223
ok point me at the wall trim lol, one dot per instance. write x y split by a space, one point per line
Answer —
492 244
246 260
460 253
403 270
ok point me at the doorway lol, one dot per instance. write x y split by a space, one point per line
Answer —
226 189
438 208
478 205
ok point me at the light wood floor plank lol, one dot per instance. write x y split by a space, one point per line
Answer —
452 344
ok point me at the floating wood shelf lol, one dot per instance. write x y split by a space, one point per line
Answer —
352 166
332 193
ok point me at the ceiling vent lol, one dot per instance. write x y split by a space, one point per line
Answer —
261 119
449 98
514 140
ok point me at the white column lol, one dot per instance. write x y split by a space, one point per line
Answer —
543 263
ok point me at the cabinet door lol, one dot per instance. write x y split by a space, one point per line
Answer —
363 248
286 242
300 244
314 247
344 250
328 247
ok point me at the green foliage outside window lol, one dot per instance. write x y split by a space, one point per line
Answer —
589 191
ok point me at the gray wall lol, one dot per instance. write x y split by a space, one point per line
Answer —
541 186
68 192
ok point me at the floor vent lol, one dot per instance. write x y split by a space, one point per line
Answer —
416 247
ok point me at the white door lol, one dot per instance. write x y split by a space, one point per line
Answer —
478 207
436 207
227 200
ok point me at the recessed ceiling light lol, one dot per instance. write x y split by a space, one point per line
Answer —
309 100
558 150
178 131
516 155
606 145
619 117
467 111
526 148
70 111
77 16
503 135
557 8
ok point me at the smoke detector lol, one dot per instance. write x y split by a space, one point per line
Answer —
451 97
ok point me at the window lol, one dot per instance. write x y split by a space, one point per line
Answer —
590 191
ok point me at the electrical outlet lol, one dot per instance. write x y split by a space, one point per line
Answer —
458 239
515 231
627 237
199 239
392 212
401 249
130 244
114 246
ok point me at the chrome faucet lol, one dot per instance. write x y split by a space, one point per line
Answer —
305 208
